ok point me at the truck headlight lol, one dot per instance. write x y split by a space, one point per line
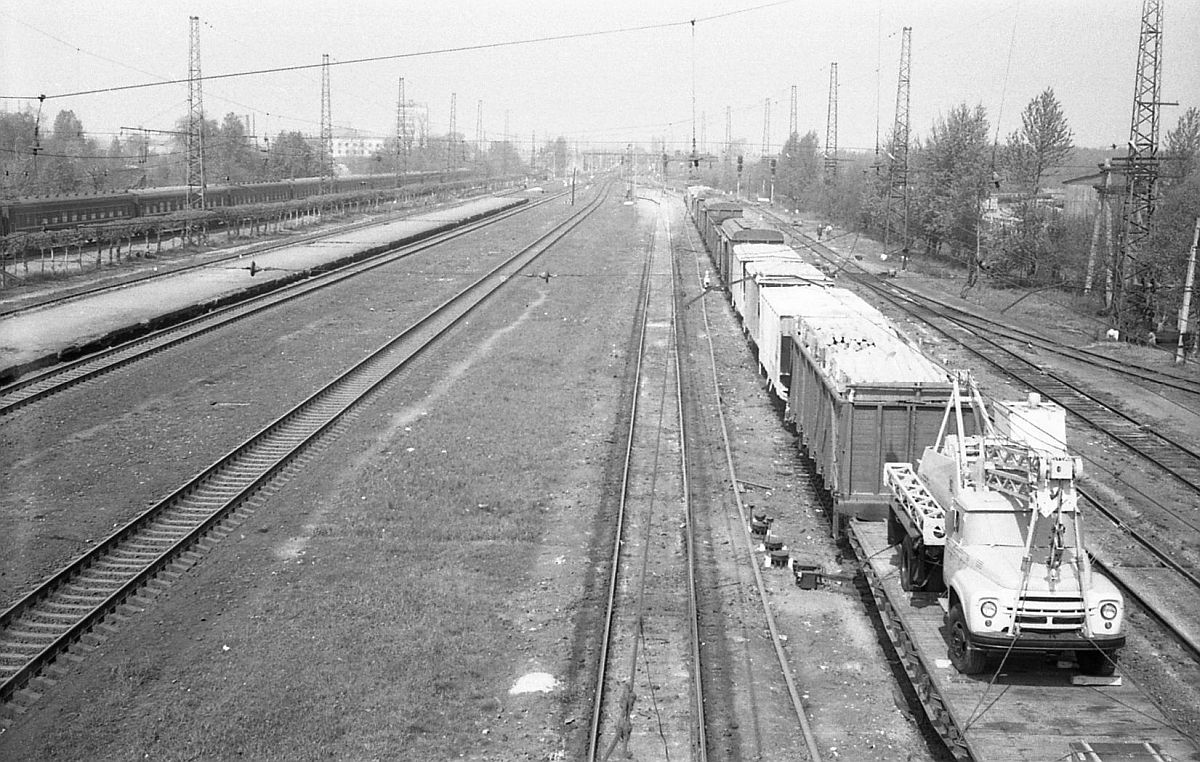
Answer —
988 609
1108 610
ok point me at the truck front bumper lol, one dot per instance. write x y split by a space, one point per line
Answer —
1066 641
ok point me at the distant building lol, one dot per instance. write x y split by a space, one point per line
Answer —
357 146
1083 193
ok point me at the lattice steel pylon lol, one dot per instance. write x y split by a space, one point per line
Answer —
728 134
1132 279
831 128
403 139
766 144
896 207
195 132
450 163
478 132
326 129
793 123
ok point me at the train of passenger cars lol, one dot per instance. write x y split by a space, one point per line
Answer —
42 213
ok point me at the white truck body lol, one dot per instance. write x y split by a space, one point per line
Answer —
991 521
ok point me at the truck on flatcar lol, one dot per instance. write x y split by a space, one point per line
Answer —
990 522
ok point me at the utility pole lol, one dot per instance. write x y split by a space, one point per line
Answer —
326 129
831 128
1132 278
195 133
1102 213
1186 307
897 201
793 123
507 142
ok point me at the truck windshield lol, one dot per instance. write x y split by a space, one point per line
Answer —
1010 529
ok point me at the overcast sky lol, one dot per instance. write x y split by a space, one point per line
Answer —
603 89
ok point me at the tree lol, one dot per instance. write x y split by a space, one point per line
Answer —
952 175
230 155
1043 142
798 169
1183 147
291 156
16 153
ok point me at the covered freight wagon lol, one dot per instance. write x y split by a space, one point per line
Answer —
714 212
861 395
737 230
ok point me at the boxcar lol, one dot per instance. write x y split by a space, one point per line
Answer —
713 213
735 230
860 395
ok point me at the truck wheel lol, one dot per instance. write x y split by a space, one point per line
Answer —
966 658
895 530
1097 662
906 564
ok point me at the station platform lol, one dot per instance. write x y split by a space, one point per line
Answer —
42 336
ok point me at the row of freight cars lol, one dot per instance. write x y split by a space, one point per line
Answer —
969 527
857 392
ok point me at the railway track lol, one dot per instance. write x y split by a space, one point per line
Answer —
650 642
760 679
42 385
47 622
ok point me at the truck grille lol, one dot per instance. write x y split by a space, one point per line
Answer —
1048 614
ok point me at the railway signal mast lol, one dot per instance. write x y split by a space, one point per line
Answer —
195 133
326 129
896 209
1132 279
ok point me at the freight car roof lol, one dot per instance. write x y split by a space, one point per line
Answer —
741 229
747 250
853 347
782 270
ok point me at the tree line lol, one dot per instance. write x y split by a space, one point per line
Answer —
65 159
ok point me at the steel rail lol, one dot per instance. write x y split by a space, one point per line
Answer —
606 634
44 623
794 693
690 514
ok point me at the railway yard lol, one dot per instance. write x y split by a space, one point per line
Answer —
506 480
